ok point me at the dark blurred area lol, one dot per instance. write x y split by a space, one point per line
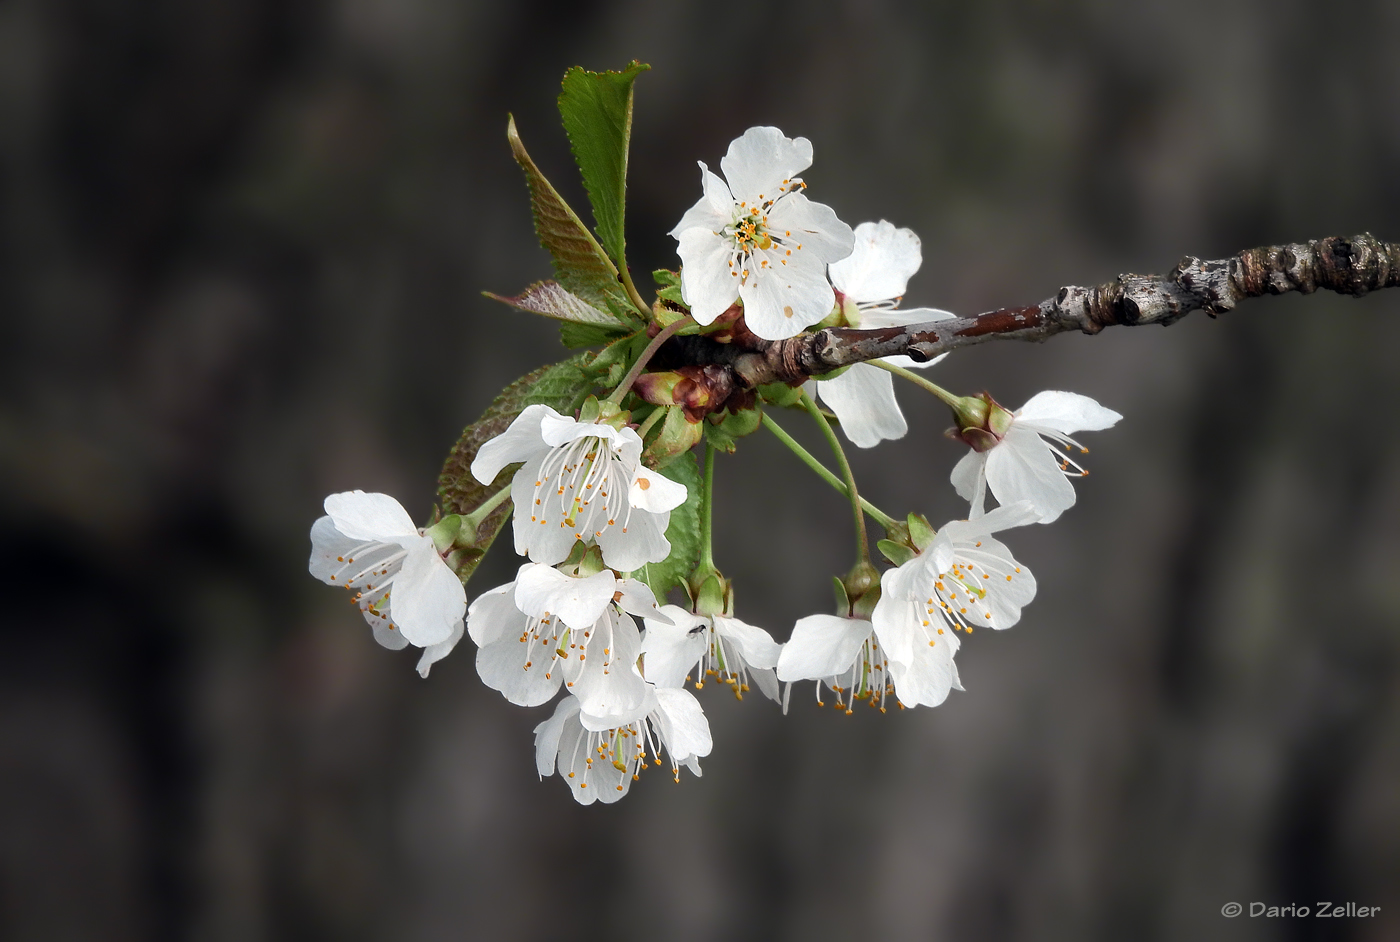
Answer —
243 245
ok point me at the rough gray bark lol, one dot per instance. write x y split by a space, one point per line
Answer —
1352 265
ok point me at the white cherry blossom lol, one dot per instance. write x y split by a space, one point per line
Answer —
721 646
1023 463
599 758
409 595
841 653
548 629
759 239
963 580
871 281
581 481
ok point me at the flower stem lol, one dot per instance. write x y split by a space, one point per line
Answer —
666 334
649 421
943 394
484 510
878 515
625 276
707 500
862 541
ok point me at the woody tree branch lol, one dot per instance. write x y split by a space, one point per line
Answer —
1354 265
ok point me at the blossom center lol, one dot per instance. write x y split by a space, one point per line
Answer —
582 486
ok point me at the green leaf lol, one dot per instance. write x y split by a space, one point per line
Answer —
588 335
597 112
683 531
553 300
580 264
559 386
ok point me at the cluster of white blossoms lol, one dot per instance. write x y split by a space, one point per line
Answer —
589 515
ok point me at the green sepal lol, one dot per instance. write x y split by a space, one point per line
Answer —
731 426
710 593
780 394
843 601
897 553
668 286
611 363
445 532
597 111
560 386
921 533
580 264
683 532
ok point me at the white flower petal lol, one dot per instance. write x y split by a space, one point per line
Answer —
598 780
880 265
1011 586
501 666
816 227
863 399
577 602
521 441
436 652
760 160
782 302
671 651
821 646
756 646
1066 412
871 318
428 598
330 549
636 598
1018 514
969 478
708 284
493 614
929 675
683 725
713 212
384 632
362 516
541 535
655 492
909 363
547 735
609 689
766 679
641 541
1022 467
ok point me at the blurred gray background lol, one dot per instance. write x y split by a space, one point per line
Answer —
241 253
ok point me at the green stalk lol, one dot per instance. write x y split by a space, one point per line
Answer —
651 420
626 277
484 510
943 394
666 334
878 515
862 541
707 500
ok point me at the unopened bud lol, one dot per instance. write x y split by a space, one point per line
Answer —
711 593
982 422
862 589
678 435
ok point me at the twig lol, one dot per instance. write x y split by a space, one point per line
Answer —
1353 265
